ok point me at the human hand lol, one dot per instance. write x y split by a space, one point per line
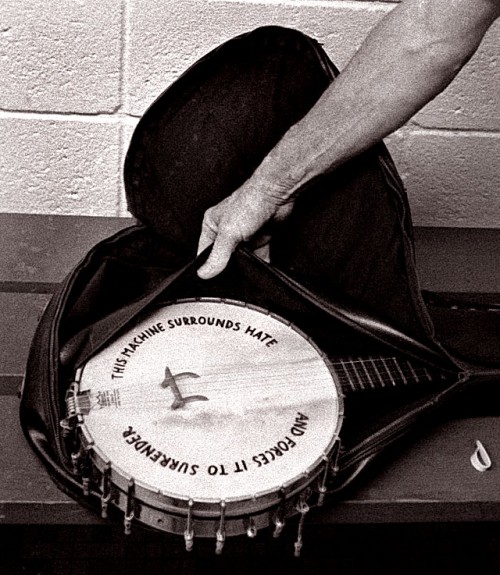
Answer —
246 215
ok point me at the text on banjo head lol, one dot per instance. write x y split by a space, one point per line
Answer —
170 463
186 321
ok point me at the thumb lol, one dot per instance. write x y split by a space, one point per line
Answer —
222 249
207 237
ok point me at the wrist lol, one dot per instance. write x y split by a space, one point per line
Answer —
278 177
296 159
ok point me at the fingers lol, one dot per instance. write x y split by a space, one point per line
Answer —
222 249
242 216
222 228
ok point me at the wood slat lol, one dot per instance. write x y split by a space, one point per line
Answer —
458 259
27 494
39 250
20 314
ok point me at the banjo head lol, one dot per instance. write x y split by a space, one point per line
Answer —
207 401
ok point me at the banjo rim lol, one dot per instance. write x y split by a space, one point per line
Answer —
210 508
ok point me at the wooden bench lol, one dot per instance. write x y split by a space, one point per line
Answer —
431 481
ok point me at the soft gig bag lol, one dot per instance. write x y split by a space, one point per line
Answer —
211 408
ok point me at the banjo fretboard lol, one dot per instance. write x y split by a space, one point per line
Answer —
361 374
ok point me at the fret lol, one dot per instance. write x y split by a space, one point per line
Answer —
380 378
406 369
363 364
414 375
405 375
427 374
396 363
386 367
372 372
347 375
355 369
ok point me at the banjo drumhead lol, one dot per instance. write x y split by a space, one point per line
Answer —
211 400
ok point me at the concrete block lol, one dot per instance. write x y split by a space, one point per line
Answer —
167 37
60 55
472 101
59 167
452 178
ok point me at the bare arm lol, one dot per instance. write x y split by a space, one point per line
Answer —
407 59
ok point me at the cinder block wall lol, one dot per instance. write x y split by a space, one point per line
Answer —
75 76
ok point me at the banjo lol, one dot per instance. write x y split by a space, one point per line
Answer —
213 418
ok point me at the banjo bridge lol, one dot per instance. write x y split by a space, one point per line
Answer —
171 381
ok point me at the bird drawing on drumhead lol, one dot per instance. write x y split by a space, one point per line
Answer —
171 381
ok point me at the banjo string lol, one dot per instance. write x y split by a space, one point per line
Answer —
233 373
259 379
247 379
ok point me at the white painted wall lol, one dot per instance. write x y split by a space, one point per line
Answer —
75 76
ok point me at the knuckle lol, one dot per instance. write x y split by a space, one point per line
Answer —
208 220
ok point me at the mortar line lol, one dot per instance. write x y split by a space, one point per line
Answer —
415 128
129 119
49 115
121 59
372 5
122 96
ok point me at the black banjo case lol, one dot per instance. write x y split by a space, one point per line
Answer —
342 266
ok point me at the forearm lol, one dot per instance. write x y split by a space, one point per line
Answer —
406 60
411 56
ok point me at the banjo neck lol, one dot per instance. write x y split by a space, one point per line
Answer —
378 372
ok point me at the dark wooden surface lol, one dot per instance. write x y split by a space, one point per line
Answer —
431 481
